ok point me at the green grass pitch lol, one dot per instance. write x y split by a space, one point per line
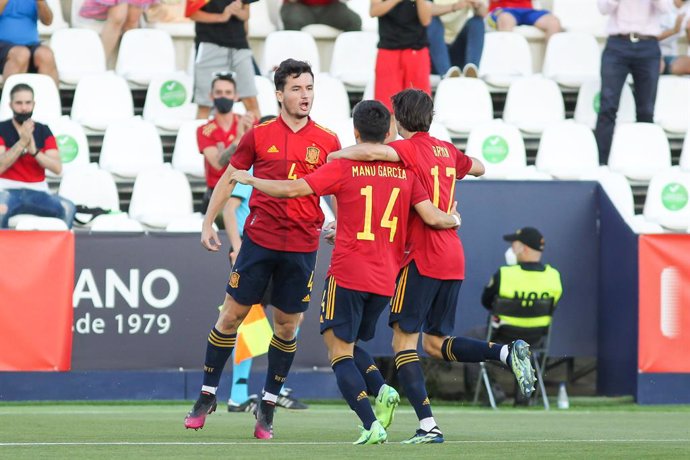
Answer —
155 430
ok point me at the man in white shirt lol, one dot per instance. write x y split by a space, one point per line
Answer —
675 24
632 48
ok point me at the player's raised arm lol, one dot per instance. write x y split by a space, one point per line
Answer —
275 188
477 168
435 218
366 152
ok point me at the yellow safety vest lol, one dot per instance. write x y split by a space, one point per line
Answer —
528 285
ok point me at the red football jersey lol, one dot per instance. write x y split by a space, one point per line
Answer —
278 153
438 164
374 201
26 167
493 4
209 135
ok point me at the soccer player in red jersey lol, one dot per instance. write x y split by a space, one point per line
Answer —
280 240
434 267
374 201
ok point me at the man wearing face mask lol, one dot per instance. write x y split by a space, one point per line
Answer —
27 149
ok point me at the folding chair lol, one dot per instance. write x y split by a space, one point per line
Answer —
538 338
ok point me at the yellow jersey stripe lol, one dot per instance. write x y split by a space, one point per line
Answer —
400 295
331 298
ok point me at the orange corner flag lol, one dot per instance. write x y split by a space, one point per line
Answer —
193 5
254 335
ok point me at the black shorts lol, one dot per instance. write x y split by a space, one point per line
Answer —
351 314
423 304
292 272
5 48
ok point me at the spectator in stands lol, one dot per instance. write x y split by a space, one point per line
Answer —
403 59
506 14
27 149
119 15
20 49
222 46
631 48
456 42
524 277
299 13
675 24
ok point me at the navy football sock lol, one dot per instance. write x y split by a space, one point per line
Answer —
371 373
464 350
281 353
353 388
412 380
218 350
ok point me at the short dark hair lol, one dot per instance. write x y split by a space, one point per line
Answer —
290 68
223 77
414 110
21 87
372 119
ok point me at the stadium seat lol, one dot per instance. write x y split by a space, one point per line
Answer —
439 131
368 91
130 147
81 22
116 223
572 58
58 23
463 103
345 131
284 44
534 103
90 186
273 7
321 31
668 200
31 223
528 173
160 196
587 105
506 57
268 104
46 95
169 101
685 154
145 54
78 52
187 224
639 151
642 226
672 109
580 16
618 189
186 157
331 102
101 100
260 24
354 59
72 144
567 150
361 7
499 146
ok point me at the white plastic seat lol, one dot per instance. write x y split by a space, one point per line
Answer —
31 223
187 224
506 57
567 150
266 97
618 189
169 101
186 157
588 100
685 154
499 146
580 16
90 186
361 7
130 147
101 100
294 44
58 23
463 103
345 130
321 31
668 200
260 24
572 58
353 60
440 132
46 95
145 54
72 144
534 103
672 108
116 223
78 52
160 195
331 102
639 151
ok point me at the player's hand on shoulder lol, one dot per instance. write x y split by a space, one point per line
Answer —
329 232
241 176
209 238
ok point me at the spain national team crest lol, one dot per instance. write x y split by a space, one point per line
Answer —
234 280
313 155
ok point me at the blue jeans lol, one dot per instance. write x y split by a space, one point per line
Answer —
465 49
25 201
620 58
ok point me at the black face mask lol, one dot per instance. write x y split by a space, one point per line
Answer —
20 118
223 104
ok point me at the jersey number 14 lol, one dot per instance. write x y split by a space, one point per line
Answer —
387 221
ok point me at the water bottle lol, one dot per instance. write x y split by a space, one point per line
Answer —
563 402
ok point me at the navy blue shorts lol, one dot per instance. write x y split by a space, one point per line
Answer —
292 272
523 16
5 48
351 314
423 304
